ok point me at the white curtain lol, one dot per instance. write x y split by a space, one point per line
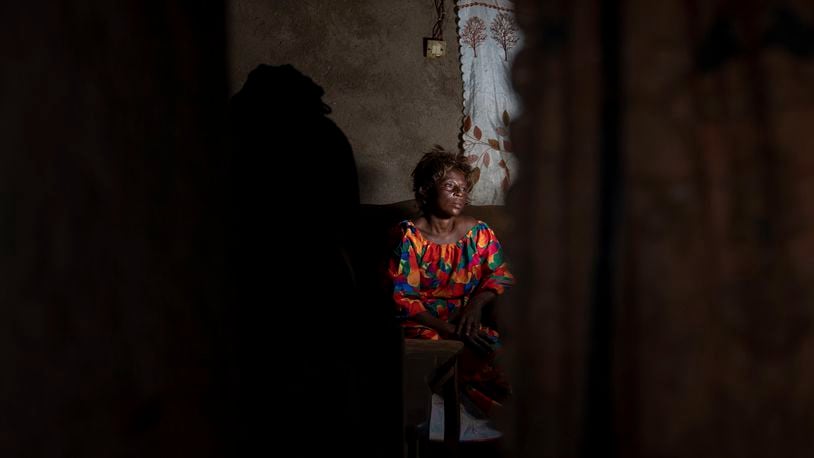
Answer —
489 37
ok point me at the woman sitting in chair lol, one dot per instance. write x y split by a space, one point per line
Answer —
446 268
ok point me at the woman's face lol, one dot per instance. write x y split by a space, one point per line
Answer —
451 194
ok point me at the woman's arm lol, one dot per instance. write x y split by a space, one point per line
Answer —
495 278
469 324
445 329
475 339
405 276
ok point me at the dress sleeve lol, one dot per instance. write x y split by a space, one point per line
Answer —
406 278
496 275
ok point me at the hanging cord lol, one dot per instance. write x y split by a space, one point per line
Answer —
438 28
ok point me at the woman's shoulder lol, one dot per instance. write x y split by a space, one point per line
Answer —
475 225
468 221
473 229
481 233
419 223
405 226
404 230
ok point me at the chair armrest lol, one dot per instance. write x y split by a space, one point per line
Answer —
441 349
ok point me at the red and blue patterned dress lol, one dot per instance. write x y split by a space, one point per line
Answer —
441 278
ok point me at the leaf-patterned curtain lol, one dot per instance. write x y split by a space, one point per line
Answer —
489 38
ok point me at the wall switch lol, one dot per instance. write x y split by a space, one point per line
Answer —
434 48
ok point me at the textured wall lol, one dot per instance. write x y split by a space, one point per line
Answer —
391 102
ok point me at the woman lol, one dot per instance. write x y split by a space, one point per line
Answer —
447 267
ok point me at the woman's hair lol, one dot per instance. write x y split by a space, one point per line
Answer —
434 166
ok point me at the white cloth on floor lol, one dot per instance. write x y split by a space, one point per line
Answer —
475 426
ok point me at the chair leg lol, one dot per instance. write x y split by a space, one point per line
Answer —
452 414
411 438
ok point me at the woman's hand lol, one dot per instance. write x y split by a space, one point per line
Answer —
444 328
469 323
469 317
480 342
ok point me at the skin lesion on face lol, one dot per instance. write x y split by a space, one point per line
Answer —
451 193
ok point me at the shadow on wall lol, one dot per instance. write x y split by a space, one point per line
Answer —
279 124
305 340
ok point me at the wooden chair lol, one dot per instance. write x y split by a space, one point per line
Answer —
431 367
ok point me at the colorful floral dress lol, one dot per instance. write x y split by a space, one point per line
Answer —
441 278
